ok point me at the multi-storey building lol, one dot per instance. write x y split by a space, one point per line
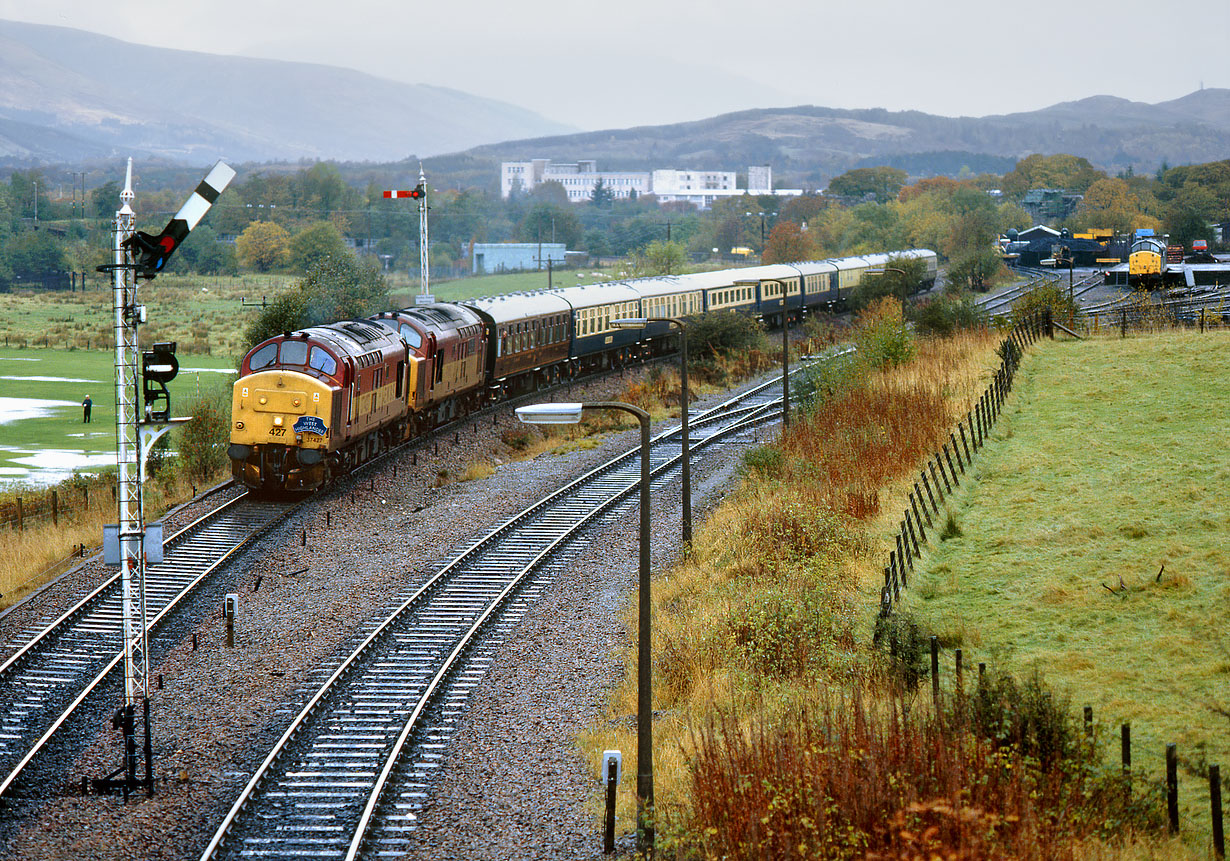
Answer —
578 180
697 187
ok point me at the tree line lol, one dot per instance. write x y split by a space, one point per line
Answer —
281 218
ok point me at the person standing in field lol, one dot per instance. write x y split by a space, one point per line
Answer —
85 407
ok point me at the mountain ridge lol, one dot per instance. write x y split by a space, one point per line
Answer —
203 106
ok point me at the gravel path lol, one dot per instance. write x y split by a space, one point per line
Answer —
513 786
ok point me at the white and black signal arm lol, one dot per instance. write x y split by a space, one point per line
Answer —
151 252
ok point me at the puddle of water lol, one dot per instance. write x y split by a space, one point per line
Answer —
204 371
46 468
17 359
17 409
51 379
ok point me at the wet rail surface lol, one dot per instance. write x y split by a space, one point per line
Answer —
347 776
44 681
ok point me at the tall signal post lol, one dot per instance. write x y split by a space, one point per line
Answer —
419 192
142 415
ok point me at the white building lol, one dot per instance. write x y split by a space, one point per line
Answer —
578 180
760 179
697 187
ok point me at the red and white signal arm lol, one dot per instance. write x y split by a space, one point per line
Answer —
418 191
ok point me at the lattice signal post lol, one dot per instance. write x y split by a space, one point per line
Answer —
419 193
142 415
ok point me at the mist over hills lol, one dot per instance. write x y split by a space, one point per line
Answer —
806 145
68 95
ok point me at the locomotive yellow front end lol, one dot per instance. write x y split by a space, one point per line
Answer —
1146 264
280 430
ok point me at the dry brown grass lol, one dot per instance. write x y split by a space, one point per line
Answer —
42 551
773 603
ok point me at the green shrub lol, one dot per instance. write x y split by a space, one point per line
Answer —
942 315
202 442
908 647
765 461
721 333
881 335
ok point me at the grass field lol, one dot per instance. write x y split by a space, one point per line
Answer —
1109 463
42 437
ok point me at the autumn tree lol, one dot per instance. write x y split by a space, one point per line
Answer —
1068 172
883 182
263 246
787 242
1111 203
315 243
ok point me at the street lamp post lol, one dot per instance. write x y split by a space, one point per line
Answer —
571 414
640 323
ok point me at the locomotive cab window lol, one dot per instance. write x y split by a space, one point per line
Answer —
323 362
411 335
294 352
264 357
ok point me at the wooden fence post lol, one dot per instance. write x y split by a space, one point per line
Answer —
964 443
935 670
55 508
21 520
960 463
914 497
947 486
1172 787
909 525
930 496
1219 834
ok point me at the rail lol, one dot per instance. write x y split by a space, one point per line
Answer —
478 583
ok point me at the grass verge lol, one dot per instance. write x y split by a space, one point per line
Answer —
760 650
1093 545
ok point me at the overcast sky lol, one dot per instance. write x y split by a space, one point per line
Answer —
637 62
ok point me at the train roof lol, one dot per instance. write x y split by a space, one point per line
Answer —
591 295
441 315
512 307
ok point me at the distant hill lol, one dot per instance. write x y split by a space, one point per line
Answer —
68 95
808 145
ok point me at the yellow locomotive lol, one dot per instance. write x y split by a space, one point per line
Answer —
318 402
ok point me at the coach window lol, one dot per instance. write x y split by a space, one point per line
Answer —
323 362
264 357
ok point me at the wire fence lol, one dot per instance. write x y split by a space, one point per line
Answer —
939 477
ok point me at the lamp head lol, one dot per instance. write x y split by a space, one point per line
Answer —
630 323
550 414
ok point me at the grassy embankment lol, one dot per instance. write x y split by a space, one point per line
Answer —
1110 464
761 657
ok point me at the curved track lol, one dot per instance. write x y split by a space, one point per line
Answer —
45 681
348 773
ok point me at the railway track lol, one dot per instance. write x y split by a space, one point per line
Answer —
1001 303
48 678
348 774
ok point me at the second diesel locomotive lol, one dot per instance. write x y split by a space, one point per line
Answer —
313 404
